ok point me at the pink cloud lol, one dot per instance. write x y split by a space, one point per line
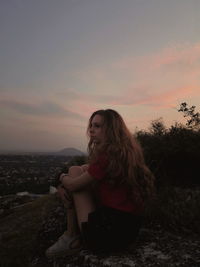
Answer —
169 98
163 78
183 56
160 99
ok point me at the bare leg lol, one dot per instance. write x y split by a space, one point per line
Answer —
78 205
72 226
83 201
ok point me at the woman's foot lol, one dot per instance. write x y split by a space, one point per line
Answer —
65 245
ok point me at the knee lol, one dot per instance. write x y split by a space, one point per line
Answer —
85 167
75 171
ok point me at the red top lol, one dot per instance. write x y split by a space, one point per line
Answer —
115 197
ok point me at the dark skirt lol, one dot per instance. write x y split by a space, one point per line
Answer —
108 229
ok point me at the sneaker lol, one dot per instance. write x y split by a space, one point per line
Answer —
66 245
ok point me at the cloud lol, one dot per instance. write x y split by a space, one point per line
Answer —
42 109
183 56
163 78
180 58
169 98
157 80
84 102
72 94
132 96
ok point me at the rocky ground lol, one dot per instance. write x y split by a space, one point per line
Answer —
10 202
155 246
28 227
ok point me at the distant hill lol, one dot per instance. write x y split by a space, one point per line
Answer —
70 151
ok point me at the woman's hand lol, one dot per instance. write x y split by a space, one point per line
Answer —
74 183
62 176
85 167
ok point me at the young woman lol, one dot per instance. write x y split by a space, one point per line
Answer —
106 198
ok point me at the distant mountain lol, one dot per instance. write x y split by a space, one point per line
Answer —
70 151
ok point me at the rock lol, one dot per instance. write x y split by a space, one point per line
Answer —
154 247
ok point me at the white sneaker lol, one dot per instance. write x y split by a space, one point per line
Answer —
66 245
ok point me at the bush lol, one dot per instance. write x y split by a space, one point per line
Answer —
176 209
172 155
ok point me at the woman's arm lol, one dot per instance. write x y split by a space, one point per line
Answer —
76 183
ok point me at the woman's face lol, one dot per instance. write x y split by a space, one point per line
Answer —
96 129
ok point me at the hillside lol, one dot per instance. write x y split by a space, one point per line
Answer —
19 229
165 239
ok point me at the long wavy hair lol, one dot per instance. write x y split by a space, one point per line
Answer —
126 164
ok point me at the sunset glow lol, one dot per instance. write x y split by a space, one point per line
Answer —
62 60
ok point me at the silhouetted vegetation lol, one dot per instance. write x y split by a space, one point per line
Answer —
193 120
173 153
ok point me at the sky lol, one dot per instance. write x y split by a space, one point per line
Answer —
61 60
